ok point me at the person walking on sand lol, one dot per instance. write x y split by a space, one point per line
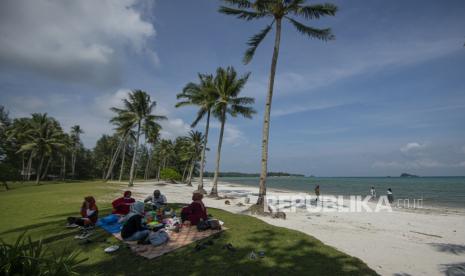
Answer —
390 196
373 192
317 193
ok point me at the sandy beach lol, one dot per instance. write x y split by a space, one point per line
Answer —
401 242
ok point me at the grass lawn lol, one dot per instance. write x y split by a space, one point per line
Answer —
42 210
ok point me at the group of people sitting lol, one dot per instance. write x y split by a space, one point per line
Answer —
132 213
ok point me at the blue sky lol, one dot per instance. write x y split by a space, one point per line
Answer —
386 97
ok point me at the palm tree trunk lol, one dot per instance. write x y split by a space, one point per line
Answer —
146 173
191 170
158 173
121 170
64 167
46 168
184 172
73 163
23 168
266 119
29 167
39 169
214 191
113 160
133 163
202 158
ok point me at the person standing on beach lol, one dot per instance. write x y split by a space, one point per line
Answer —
390 196
373 192
317 193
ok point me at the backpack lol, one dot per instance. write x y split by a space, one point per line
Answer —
203 225
214 224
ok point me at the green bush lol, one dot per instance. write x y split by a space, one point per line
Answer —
26 257
170 174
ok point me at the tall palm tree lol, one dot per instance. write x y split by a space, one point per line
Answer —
45 136
228 87
137 112
76 132
152 135
166 151
277 11
203 95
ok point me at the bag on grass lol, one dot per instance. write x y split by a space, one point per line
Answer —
214 224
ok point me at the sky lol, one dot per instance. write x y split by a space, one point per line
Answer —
387 96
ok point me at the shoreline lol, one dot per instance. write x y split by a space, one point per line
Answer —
397 242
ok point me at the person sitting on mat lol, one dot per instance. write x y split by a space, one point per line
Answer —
133 228
196 211
122 205
157 200
89 214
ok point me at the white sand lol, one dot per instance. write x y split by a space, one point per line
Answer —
399 242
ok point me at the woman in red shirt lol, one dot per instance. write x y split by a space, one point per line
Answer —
89 214
196 211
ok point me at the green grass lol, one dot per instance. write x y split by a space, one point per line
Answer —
42 210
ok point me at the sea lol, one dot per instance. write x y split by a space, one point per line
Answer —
435 192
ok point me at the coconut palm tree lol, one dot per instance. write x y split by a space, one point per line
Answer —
228 87
166 151
137 112
76 132
152 135
45 137
276 11
204 96
193 150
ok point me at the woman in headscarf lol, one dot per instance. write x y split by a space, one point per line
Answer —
196 211
89 214
122 205
133 228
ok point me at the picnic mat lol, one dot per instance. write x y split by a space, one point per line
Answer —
186 236
110 224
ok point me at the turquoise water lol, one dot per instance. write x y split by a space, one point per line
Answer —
435 191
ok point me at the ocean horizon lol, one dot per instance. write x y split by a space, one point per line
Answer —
434 191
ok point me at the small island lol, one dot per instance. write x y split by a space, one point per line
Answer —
408 175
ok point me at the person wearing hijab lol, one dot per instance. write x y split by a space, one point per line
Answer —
157 200
89 214
133 228
196 211
122 205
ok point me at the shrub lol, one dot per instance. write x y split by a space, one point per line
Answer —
26 257
170 174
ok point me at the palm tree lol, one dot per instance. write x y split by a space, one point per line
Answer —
228 87
277 10
76 131
203 95
194 148
166 150
137 112
18 133
45 136
152 134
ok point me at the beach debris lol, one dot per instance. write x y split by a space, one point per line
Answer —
430 235
240 204
227 202
247 200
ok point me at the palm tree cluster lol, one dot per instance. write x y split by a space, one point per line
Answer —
41 143
217 95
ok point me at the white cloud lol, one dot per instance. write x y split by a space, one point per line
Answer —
72 40
412 147
173 128
102 104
